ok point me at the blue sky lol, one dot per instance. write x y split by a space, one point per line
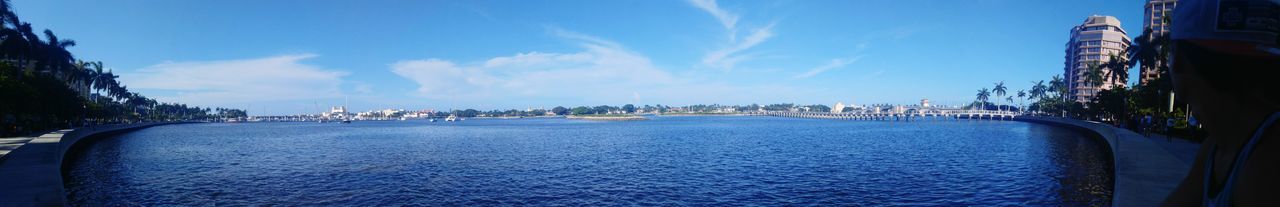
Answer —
290 57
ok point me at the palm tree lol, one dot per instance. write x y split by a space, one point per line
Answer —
1150 51
136 100
1059 87
6 12
57 58
1009 99
120 93
999 91
1093 76
1038 90
82 75
1117 67
982 97
1021 94
15 45
98 80
102 80
20 43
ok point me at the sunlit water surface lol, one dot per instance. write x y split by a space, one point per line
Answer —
665 161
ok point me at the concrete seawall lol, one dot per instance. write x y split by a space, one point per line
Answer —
31 175
1144 172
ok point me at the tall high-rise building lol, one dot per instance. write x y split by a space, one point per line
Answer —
1093 41
1156 12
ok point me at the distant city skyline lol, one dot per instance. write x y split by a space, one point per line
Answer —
515 55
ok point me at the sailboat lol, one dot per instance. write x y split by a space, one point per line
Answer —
320 118
345 119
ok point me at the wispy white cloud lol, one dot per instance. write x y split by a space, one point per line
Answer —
585 40
728 57
361 87
219 83
872 75
835 63
728 20
900 33
603 72
603 66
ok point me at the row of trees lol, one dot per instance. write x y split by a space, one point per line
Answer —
44 86
634 109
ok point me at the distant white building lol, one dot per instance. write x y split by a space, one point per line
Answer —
392 112
336 112
839 108
924 103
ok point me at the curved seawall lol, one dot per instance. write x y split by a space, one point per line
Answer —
31 175
1144 172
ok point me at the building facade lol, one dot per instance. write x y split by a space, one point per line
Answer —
1156 12
1093 41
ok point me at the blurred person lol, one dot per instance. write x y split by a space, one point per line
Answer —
1225 65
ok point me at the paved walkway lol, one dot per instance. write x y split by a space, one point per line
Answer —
1145 171
31 170
8 144
1184 149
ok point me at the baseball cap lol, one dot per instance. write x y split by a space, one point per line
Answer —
1255 22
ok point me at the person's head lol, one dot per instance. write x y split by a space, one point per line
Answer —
1225 59
1208 72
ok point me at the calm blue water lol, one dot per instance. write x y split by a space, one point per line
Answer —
665 161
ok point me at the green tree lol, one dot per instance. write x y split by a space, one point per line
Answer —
1093 76
1109 104
983 95
581 110
999 91
629 108
560 110
1021 94
1038 92
602 109
1117 67
1059 87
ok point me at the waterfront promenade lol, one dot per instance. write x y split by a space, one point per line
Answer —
31 167
1145 171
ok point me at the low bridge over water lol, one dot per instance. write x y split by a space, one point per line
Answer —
907 115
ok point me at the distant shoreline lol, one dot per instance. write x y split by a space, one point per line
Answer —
514 117
608 117
703 114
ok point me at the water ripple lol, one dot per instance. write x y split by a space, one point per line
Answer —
668 161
